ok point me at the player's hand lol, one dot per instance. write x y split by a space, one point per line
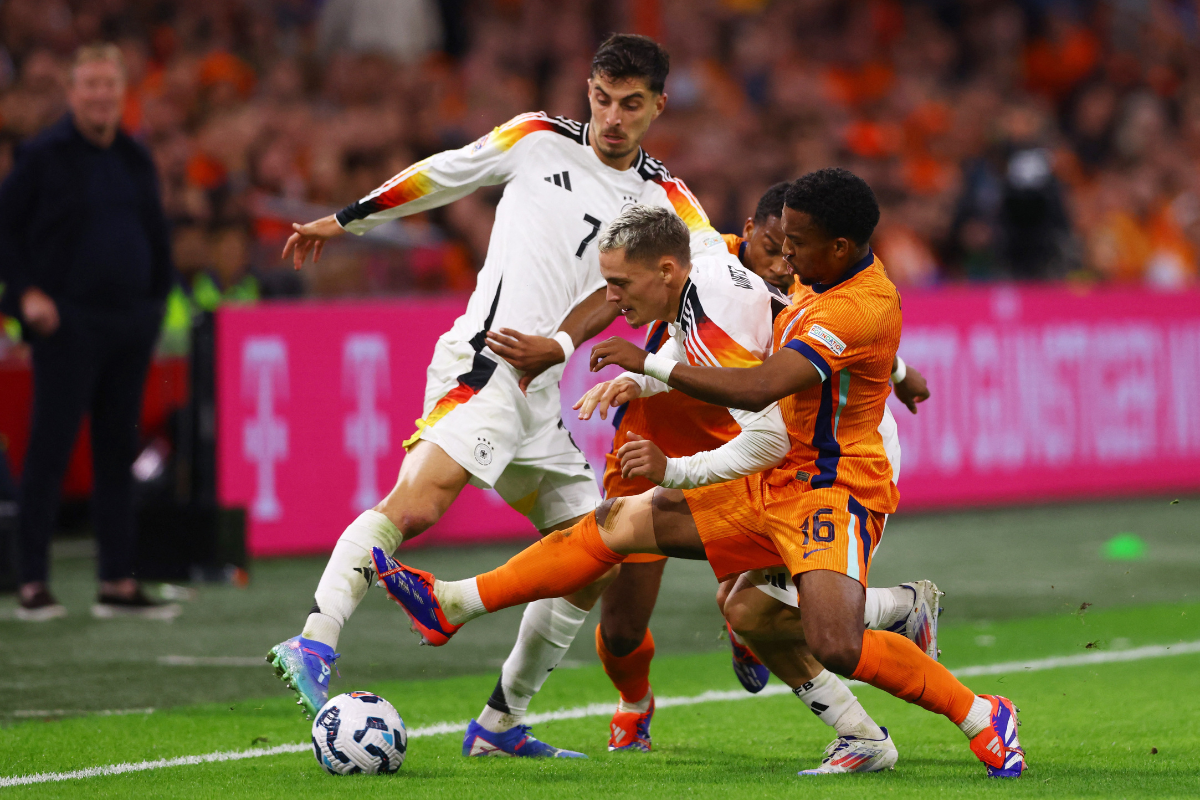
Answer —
310 238
912 389
531 355
39 311
622 352
606 395
641 458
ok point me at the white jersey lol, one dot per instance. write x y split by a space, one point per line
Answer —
725 319
542 259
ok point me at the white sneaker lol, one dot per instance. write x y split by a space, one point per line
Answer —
855 754
921 624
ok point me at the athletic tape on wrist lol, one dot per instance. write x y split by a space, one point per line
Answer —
658 367
901 371
568 345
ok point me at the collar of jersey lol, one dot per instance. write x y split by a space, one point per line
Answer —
683 293
587 144
858 267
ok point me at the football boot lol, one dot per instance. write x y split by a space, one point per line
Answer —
516 742
412 589
305 667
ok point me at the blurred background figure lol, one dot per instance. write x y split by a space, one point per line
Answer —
1006 139
85 254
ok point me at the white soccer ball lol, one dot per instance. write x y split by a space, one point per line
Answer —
359 732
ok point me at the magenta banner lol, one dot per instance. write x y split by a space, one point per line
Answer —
1038 394
1048 393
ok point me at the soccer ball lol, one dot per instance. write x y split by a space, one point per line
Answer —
359 732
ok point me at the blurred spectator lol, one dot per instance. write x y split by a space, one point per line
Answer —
1005 138
403 29
86 260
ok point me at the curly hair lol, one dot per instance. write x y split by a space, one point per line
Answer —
840 203
771 203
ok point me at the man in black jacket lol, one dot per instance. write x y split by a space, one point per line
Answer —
85 256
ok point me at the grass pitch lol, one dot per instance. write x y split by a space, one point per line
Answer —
1090 730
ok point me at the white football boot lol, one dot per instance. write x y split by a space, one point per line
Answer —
856 754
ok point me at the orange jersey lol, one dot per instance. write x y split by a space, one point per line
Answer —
850 331
678 424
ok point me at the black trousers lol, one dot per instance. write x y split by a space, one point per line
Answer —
95 362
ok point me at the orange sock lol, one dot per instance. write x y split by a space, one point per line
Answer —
558 564
893 663
629 673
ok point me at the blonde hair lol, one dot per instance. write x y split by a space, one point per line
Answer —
101 51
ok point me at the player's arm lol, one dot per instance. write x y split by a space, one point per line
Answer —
626 386
433 182
761 444
750 388
533 355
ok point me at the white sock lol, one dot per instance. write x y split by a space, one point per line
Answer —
978 718
885 607
459 600
640 707
547 630
348 575
832 701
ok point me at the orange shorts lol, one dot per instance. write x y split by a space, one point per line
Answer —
617 486
750 524
729 517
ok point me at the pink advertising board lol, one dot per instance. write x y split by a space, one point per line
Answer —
1038 394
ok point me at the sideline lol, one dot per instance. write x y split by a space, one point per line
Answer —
604 709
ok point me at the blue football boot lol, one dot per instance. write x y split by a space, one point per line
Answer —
304 666
516 742
749 670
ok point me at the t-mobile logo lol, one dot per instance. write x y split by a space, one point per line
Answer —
265 435
367 432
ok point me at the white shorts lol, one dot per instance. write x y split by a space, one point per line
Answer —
777 581
509 441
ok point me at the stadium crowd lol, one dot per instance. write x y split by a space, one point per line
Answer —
1029 140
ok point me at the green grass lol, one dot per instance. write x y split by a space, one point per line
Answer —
1089 730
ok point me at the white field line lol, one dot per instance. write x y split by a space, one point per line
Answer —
211 661
604 709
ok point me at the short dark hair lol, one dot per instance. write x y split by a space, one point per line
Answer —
771 203
628 55
647 233
840 203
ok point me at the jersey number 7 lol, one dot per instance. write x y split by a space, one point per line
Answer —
595 223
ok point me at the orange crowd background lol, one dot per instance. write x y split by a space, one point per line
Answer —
1031 140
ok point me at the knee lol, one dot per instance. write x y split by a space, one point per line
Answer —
723 592
839 654
622 642
409 518
603 509
744 619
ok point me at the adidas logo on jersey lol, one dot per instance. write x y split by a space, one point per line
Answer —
562 179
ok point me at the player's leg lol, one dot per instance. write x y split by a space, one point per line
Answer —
561 563
626 647
428 483
468 399
771 627
832 607
750 671
550 482
548 628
